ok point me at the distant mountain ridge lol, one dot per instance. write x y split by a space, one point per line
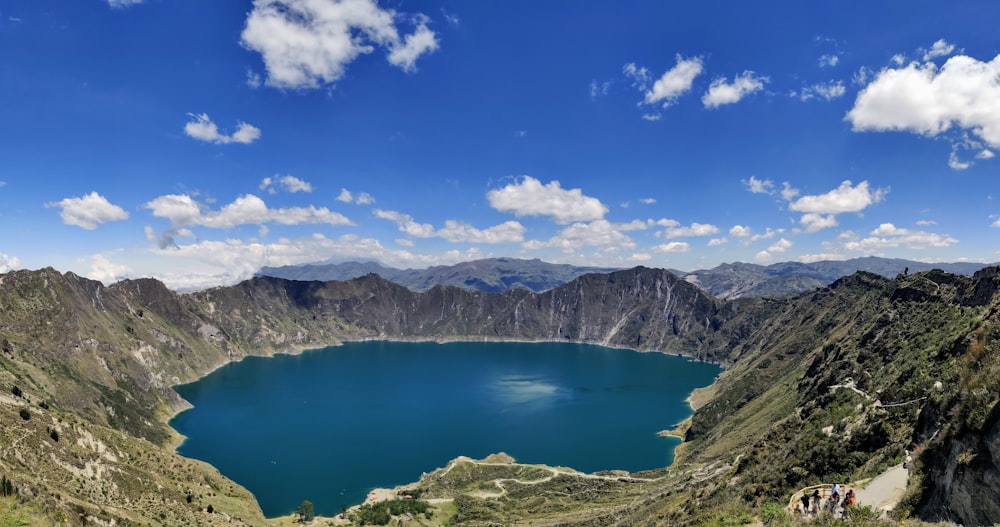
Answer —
736 280
726 281
491 275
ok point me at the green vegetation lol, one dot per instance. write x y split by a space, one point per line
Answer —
6 487
306 512
382 512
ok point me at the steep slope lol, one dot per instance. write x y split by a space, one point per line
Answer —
86 372
641 308
831 385
959 428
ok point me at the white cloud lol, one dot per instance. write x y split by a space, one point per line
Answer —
104 270
647 201
363 198
528 197
826 91
829 60
996 223
123 3
294 184
88 211
599 89
507 232
638 225
211 263
600 233
675 82
455 231
955 163
925 100
739 231
672 247
406 224
421 41
289 183
759 186
763 257
985 154
767 234
845 198
820 211
820 257
721 92
888 235
652 117
715 242
640 76
695 229
451 18
8 263
925 223
253 79
640 257
183 211
939 49
203 129
780 246
787 192
309 43
816 222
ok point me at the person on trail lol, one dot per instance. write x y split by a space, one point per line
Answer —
835 492
816 499
805 503
849 499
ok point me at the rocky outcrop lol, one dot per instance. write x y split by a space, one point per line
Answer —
963 477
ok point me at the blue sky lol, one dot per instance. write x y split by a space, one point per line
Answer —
197 141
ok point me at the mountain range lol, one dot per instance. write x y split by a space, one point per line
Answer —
490 275
725 281
832 384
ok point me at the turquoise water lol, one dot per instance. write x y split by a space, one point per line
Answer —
329 425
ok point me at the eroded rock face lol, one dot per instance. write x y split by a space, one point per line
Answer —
964 479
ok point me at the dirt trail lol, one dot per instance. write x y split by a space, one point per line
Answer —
884 491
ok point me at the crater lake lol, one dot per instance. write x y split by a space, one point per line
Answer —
329 425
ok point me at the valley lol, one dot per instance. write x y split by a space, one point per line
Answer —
103 359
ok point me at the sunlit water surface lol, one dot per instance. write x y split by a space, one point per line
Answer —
329 425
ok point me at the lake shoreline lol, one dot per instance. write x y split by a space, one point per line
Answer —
178 439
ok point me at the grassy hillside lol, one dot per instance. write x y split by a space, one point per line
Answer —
834 384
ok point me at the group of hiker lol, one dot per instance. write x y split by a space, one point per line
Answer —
835 504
